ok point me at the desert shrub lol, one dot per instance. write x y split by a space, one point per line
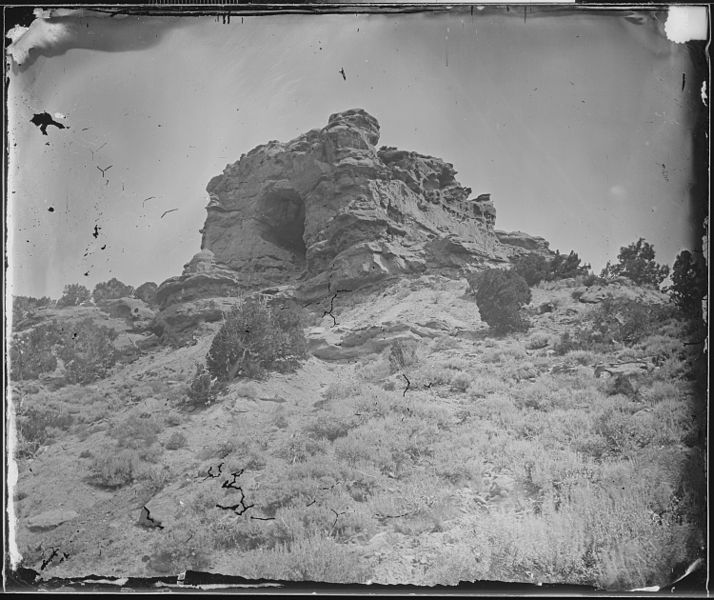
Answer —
87 351
591 279
23 306
114 469
176 440
533 267
109 290
636 262
136 431
499 295
689 283
563 266
461 383
330 428
203 390
537 341
317 558
256 338
33 353
147 292
402 354
614 320
37 426
73 295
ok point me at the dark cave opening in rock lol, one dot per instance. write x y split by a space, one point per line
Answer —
283 219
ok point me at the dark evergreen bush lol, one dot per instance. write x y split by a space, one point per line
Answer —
87 351
256 338
74 294
565 267
689 283
33 353
636 262
532 267
500 294
110 290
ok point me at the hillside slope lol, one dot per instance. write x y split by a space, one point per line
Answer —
413 446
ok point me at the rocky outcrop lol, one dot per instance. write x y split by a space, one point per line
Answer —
134 311
330 210
517 243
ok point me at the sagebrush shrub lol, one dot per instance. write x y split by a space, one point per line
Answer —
115 469
256 338
500 294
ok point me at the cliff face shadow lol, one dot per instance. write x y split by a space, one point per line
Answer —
283 221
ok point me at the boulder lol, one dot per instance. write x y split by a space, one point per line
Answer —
50 519
518 243
134 311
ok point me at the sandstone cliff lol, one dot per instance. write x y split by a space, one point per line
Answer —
328 210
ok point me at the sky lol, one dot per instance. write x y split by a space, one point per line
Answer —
576 122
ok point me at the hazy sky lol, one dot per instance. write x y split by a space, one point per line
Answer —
576 124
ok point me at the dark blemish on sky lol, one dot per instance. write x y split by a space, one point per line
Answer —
105 169
665 174
684 80
166 212
43 120
51 209
95 233
104 247
342 72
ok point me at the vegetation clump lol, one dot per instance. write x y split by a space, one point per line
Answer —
203 389
24 306
74 294
86 350
500 294
255 338
534 267
689 283
636 262
110 290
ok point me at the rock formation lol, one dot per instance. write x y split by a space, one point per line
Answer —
328 211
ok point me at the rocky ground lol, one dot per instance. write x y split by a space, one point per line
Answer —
468 457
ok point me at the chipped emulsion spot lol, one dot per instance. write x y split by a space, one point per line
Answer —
211 475
332 301
146 520
241 507
43 120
